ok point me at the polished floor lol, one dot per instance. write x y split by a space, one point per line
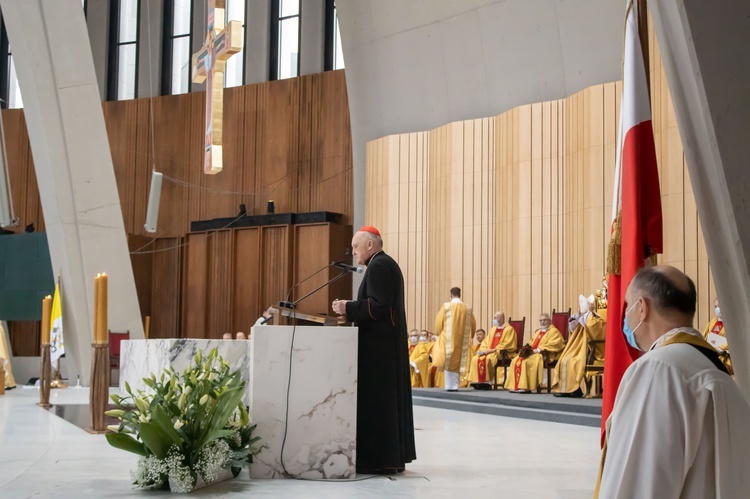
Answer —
460 454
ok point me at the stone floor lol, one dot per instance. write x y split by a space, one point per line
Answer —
460 455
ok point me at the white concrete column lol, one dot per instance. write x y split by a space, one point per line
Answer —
257 41
705 53
74 169
312 37
150 44
97 17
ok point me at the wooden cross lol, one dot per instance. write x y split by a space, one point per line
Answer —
209 63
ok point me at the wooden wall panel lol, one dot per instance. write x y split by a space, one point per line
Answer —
246 299
276 263
287 140
194 290
166 278
220 283
539 206
25 338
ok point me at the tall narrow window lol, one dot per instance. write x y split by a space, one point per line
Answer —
15 101
285 27
177 46
334 55
235 70
10 91
123 61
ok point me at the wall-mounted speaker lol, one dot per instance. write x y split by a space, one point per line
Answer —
154 195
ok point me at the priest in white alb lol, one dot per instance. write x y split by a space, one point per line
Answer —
679 423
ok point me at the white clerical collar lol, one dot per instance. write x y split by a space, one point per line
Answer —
502 326
456 300
669 334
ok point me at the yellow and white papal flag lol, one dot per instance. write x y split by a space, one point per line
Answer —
57 345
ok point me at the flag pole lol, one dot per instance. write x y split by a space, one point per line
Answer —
643 35
57 380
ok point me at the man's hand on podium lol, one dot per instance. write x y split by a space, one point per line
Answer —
339 306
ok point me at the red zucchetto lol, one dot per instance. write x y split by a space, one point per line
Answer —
370 229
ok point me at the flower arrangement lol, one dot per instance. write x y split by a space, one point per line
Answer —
189 426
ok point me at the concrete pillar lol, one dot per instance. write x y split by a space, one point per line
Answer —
312 37
97 17
257 41
150 48
74 169
705 54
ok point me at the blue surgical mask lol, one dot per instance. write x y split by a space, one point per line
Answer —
630 333
717 310
495 323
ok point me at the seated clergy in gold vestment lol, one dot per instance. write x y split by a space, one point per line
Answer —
716 337
476 342
418 360
526 371
568 374
502 338
435 378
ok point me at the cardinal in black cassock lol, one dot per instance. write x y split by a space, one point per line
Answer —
385 423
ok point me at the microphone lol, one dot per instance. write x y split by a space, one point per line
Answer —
348 268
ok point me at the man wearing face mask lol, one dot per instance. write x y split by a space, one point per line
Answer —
678 426
502 337
526 371
714 334
419 357
568 374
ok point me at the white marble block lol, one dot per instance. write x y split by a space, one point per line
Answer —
322 423
140 358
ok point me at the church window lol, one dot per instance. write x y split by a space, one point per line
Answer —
123 55
235 70
334 55
178 17
285 35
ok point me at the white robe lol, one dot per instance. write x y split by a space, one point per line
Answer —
678 429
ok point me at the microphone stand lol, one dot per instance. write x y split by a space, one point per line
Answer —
293 304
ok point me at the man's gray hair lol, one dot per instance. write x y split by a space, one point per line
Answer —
377 240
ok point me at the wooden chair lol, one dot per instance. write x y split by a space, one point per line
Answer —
114 349
594 369
560 321
504 359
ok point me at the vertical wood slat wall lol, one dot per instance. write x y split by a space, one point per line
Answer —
516 209
229 277
286 140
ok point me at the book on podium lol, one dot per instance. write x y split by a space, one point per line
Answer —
288 316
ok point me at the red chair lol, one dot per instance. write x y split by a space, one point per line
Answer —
114 349
560 321
504 358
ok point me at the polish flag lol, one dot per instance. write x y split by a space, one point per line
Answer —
636 208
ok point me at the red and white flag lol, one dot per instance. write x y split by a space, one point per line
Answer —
636 208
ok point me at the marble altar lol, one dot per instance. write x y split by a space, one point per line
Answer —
139 358
322 417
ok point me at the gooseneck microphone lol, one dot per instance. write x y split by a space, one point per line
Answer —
348 268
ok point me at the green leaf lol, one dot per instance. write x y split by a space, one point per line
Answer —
163 422
154 440
126 443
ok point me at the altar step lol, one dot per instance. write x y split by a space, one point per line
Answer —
541 407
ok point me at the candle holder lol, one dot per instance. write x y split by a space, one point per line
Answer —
45 377
99 389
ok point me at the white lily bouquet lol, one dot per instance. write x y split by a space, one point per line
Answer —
192 426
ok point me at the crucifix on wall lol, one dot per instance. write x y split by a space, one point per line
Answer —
209 64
